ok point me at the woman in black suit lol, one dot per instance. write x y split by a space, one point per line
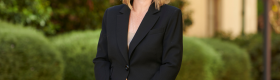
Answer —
140 40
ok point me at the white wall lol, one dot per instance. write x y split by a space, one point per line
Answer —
199 16
251 17
230 18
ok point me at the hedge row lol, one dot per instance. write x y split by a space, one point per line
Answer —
200 62
78 49
236 61
26 54
210 59
213 59
254 46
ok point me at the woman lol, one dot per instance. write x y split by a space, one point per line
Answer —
140 40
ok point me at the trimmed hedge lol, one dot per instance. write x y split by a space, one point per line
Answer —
78 49
254 46
237 65
201 58
200 61
25 54
213 59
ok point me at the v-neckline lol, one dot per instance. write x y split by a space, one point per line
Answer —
138 26
129 38
122 29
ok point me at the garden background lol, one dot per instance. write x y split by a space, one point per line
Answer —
57 40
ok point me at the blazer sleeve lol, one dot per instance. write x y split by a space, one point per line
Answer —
172 49
101 61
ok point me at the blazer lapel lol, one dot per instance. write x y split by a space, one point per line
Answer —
147 23
123 19
122 30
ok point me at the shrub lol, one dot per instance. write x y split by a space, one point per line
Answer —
200 61
87 14
237 65
78 49
79 14
254 45
35 13
25 54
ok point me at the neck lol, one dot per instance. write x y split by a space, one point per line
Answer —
141 5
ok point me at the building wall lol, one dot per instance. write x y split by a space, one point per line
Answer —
199 16
229 18
251 17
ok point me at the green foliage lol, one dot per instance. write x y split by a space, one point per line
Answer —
186 14
200 61
79 14
56 16
213 59
177 3
28 12
59 16
237 65
254 45
27 55
87 14
78 49
260 6
226 36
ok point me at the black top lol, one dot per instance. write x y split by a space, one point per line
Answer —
155 52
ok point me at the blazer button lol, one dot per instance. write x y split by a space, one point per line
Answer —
126 67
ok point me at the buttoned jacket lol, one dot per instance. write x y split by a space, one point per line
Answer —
155 52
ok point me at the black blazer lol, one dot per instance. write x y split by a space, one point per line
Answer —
155 52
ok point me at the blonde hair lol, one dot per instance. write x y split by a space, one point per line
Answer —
158 3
